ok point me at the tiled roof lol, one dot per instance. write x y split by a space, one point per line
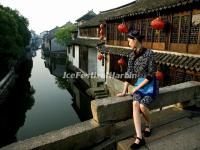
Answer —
101 17
51 33
85 42
119 51
137 7
87 16
178 61
148 6
173 60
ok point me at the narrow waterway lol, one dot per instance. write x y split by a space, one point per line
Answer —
46 107
53 106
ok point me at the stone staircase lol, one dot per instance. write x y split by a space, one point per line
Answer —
99 91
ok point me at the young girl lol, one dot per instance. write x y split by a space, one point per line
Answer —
141 62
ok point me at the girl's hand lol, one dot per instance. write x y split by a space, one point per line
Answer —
135 89
120 94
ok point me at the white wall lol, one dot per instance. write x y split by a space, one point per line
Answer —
74 60
92 61
100 68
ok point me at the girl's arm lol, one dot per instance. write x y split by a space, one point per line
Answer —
123 93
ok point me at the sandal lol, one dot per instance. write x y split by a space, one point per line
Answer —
141 143
147 133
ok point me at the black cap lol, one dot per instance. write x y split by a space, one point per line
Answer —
135 34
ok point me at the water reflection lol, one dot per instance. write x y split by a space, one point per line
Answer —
13 111
50 103
81 101
56 64
52 109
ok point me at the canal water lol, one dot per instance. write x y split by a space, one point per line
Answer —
48 105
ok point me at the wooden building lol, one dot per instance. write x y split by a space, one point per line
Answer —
77 50
176 46
88 41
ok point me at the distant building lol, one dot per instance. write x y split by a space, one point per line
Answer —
85 17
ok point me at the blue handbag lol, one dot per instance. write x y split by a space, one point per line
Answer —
148 89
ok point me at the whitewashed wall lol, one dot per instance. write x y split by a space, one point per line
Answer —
74 60
92 61
100 68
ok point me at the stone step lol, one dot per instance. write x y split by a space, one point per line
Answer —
160 132
124 129
98 89
188 139
93 91
100 96
101 93
162 124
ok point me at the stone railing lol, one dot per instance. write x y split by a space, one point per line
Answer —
107 113
120 108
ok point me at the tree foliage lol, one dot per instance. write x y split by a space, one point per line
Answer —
14 33
63 34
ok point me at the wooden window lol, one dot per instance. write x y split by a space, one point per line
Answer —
184 29
108 31
189 76
149 30
175 29
155 35
194 30
197 76
138 25
144 24
115 31
180 29
92 32
73 51
133 25
118 33
83 58
179 76
111 31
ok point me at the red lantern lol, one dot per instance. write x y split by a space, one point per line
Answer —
100 56
122 28
121 61
159 75
101 26
101 32
157 24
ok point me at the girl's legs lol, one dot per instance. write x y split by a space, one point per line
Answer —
145 101
146 115
137 120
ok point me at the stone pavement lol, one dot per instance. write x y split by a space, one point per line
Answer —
182 133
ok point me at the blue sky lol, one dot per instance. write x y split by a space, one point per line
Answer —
46 14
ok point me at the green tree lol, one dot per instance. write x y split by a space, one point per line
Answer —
63 34
14 33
